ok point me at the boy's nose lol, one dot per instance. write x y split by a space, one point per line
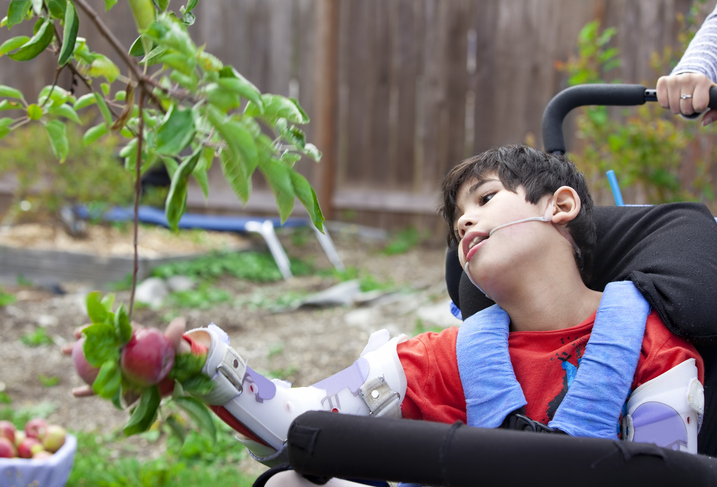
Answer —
464 224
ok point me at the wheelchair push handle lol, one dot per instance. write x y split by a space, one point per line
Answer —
593 94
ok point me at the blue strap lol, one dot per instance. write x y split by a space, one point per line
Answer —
491 389
594 401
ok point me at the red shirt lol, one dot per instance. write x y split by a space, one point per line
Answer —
544 363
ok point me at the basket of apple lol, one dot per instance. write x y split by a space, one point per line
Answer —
41 454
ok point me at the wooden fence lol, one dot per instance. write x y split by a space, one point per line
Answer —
400 90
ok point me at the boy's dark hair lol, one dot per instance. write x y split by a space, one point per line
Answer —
540 174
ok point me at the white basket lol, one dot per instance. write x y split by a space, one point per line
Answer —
47 472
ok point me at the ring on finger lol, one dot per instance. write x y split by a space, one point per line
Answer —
685 97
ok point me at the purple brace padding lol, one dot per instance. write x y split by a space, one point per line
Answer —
267 389
352 377
658 423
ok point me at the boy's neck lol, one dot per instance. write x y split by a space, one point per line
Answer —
554 301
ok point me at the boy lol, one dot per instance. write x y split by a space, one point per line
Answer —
522 220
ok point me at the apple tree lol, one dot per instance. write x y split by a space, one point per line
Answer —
178 105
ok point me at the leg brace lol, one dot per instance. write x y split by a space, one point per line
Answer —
667 410
262 410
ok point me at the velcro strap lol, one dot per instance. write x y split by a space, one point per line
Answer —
227 369
382 401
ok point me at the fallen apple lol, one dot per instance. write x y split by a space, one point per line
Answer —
87 372
29 447
19 436
147 358
41 455
7 449
7 430
35 428
54 438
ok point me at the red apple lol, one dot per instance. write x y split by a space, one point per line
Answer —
29 447
35 428
7 449
148 357
82 366
7 430
166 387
54 438
41 455
19 436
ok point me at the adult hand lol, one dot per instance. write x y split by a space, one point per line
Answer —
174 333
686 94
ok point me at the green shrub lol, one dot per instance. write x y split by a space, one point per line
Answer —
646 146
91 174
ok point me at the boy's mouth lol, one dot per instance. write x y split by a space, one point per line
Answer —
472 242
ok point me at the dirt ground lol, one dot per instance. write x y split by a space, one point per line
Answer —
303 346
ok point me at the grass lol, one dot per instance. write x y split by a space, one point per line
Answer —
36 338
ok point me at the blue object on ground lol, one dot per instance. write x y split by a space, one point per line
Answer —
223 223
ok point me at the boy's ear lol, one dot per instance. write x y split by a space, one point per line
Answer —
566 204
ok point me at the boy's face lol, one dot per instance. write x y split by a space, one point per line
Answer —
485 204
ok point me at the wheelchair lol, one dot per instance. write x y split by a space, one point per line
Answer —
667 251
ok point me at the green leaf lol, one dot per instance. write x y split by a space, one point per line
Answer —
231 80
103 66
143 13
199 413
171 165
8 105
305 193
177 197
240 141
104 109
109 380
58 139
57 8
235 175
69 35
200 171
145 413
176 132
65 111
176 427
163 4
222 98
290 158
276 107
187 365
122 325
109 4
100 344
191 5
277 175
312 151
95 308
37 6
9 92
4 130
85 101
17 11
93 134
108 301
36 44
12 44
34 112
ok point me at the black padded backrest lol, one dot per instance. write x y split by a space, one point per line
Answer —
670 253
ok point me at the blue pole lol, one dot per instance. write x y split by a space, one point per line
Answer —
615 188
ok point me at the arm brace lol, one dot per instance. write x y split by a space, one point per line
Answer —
667 410
262 410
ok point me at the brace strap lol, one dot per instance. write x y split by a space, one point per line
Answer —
227 369
382 401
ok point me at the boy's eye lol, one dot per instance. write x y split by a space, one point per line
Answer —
486 198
